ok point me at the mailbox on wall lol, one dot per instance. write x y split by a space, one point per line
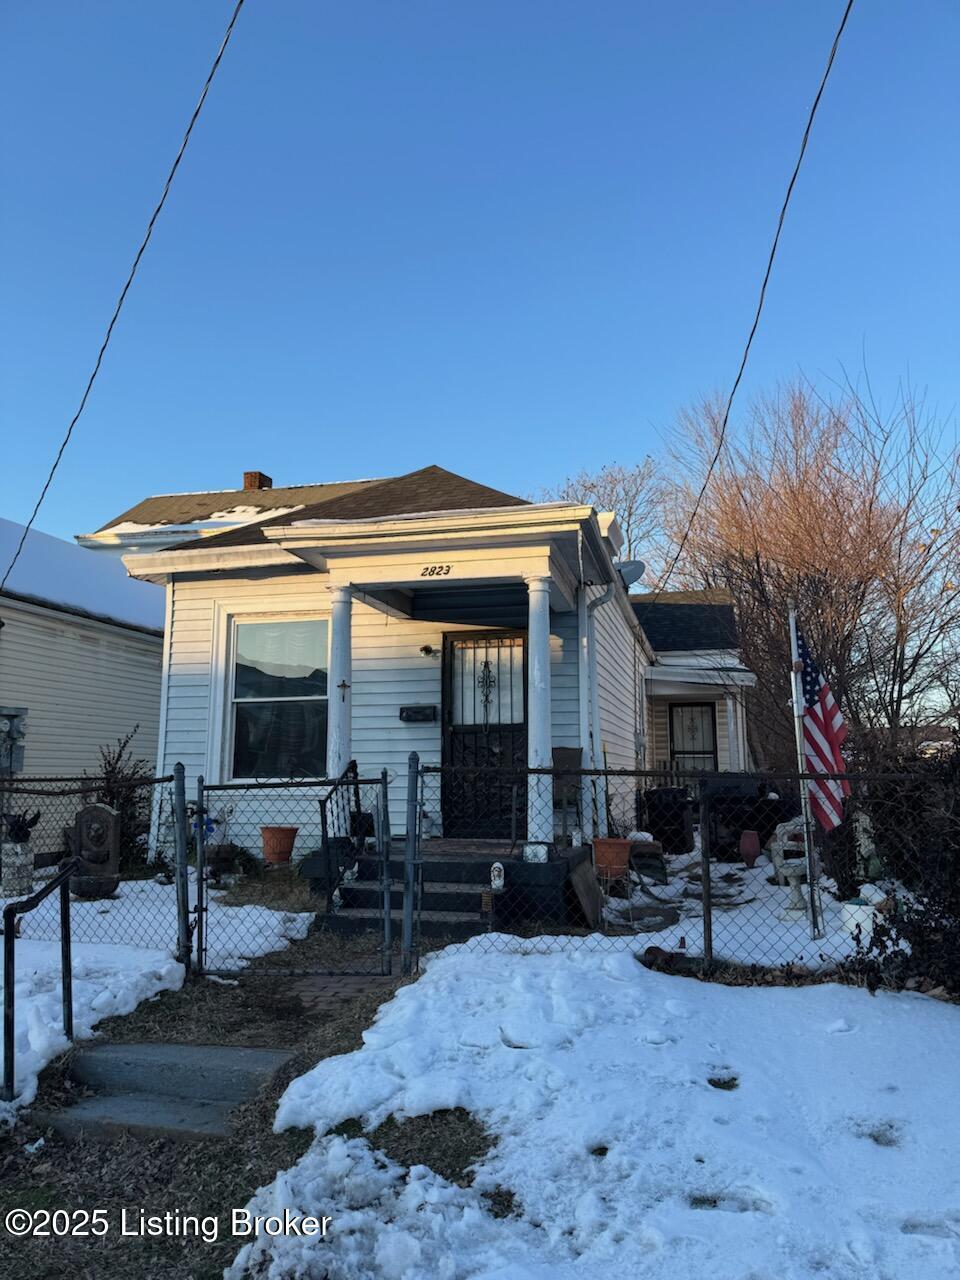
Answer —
421 714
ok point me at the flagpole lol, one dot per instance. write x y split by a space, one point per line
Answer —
813 875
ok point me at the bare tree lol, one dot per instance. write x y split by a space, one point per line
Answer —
854 515
633 492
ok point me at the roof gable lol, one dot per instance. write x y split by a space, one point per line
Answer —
431 489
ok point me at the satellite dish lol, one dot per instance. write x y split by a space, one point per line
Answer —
631 571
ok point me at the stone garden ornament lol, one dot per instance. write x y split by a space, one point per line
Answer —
94 838
16 856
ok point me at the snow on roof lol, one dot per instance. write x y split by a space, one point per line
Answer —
52 571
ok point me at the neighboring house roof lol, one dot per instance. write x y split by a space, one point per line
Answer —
427 490
53 572
229 505
687 620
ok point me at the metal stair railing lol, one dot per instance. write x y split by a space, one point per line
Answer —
341 827
11 911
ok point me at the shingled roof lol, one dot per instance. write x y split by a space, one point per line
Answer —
687 620
188 508
429 490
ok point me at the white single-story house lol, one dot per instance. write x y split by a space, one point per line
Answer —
696 687
425 612
81 653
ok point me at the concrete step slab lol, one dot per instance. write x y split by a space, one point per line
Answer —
436 896
463 870
457 925
203 1073
106 1117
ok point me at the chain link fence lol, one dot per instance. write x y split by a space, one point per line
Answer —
296 877
300 872
137 906
704 871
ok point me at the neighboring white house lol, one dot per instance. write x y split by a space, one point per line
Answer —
696 686
81 653
420 613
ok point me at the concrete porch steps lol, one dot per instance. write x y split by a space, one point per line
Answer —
181 1092
457 925
445 869
108 1117
437 895
451 903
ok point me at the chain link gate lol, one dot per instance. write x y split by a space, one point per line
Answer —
296 878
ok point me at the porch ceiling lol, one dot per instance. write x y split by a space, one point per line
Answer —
504 605
500 606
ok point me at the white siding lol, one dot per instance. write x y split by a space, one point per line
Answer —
84 685
617 675
564 680
388 671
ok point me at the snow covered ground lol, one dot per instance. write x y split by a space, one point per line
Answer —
122 953
107 980
143 913
833 1150
749 926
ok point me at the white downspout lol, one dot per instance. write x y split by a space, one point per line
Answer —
583 710
745 762
596 751
733 753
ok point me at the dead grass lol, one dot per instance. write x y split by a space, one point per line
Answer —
157 1176
280 890
325 951
723 1082
450 1142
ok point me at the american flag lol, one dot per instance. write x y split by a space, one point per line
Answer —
824 731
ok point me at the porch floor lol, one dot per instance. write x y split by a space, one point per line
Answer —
493 850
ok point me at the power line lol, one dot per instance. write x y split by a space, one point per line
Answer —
126 288
760 302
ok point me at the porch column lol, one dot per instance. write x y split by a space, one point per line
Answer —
339 746
539 742
733 749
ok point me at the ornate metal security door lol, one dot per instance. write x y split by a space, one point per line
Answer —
484 730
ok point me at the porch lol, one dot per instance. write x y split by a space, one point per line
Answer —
476 647
696 717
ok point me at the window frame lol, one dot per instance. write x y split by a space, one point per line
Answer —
227 684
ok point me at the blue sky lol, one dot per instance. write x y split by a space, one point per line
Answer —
509 238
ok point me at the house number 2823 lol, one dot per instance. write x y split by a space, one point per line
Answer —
434 571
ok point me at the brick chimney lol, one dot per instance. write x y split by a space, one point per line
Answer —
256 480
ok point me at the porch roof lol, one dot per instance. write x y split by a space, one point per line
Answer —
394 556
678 681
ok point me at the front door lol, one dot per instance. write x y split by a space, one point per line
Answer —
484 729
693 735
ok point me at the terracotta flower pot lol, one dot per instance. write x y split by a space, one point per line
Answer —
611 856
749 847
278 843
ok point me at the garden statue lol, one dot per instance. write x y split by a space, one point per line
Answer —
16 856
94 838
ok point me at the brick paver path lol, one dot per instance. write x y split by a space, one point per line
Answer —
323 994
